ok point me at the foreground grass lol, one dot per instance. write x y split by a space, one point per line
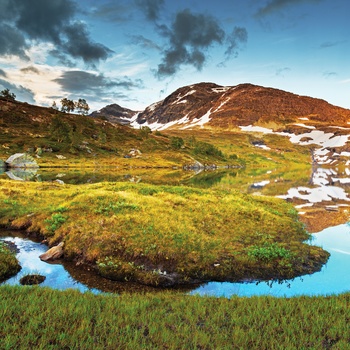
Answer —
40 318
8 263
164 235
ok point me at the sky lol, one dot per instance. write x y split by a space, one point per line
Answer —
137 52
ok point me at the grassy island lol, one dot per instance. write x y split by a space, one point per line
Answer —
164 235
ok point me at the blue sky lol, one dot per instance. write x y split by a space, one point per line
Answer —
136 52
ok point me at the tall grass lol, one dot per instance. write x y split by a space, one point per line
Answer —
9 265
40 318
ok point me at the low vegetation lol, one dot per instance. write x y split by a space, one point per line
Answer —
49 319
8 263
164 235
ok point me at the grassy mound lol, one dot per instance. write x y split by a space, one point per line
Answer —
164 235
8 263
49 319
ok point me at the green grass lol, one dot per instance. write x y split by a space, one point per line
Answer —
40 318
8 263
164 235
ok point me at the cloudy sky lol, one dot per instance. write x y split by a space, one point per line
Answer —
136 52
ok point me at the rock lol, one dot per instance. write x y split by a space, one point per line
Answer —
53 253
135 153
39 151
21 160
59 181
59 156
29 280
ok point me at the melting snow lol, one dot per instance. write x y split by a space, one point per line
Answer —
221 89
303 118
256 129
180 97
199 122
317 195
305 126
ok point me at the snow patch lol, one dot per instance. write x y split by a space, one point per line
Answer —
180 97
199 122
252 128
305 126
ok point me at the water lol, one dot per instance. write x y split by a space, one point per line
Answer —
308 190
332 279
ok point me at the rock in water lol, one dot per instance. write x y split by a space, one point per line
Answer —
21 160
53 253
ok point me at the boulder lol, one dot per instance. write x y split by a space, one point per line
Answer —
21 160
53 253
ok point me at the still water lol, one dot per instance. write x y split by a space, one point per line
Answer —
332 279
319 189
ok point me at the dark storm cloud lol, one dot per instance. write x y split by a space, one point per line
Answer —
151 8
96 84
22 93
189 38
238 36
47 21
12 42
79 45
3 73
276 5
30 69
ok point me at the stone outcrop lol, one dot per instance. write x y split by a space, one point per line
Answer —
53 253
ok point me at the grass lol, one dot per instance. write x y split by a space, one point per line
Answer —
164 235
40 318
8 263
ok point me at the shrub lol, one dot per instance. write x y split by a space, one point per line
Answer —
176 142
268 252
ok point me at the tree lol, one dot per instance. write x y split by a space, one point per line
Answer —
67 105
82 106
54 105
60 130
9 96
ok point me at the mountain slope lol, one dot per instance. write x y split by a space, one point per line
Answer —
212 106
114 114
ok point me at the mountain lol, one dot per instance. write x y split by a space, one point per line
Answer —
226 107
115 114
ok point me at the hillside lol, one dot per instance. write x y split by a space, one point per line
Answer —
57 138
227 107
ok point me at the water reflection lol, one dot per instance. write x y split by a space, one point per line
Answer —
64 275
332 279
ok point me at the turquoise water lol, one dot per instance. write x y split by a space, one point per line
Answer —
334 277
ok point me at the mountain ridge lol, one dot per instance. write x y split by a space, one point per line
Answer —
228 107
209 105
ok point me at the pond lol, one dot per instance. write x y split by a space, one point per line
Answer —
325 190
332 279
